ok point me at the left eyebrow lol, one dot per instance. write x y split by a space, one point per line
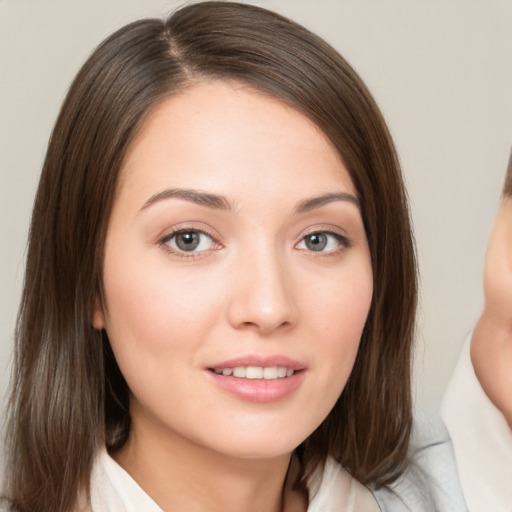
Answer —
316 202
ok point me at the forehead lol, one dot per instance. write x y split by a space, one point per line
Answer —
217 133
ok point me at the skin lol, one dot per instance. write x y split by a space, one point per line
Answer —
252 287
491 344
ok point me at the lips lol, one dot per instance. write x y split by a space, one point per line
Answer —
258 379
260 361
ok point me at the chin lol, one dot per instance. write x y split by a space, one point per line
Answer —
258 443
258 450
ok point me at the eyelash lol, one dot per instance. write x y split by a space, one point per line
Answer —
342 240
164 242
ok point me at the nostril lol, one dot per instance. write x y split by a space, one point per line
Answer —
262 300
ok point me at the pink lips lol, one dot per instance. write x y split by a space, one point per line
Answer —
261 361
259 390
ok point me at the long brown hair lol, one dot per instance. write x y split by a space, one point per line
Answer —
68 396
507 186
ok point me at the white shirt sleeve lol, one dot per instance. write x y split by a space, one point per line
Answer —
482 440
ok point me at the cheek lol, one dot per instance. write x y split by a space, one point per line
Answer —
342 306
155 314
341 317
156 326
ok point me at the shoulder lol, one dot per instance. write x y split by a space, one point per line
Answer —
113 489
430 482
335 489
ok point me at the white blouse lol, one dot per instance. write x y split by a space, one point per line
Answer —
114 490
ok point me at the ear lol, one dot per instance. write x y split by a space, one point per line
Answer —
98 318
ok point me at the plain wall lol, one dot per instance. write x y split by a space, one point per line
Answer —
440 70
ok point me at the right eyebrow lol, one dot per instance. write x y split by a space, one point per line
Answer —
207 199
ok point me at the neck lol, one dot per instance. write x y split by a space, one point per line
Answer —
181 475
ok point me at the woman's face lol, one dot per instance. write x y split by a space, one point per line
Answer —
237 273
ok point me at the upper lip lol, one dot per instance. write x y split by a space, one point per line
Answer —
263 361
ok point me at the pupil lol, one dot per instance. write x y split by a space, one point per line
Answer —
187 241
316 242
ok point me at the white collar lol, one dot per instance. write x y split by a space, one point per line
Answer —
114 490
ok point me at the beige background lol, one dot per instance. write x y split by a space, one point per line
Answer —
440 70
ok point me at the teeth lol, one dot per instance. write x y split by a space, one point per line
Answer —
270 372
239 372
256 372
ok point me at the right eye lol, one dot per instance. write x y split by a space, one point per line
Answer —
189 240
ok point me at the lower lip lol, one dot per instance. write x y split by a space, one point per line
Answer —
259 390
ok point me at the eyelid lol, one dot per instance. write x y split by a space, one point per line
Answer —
184 228
337 232
324 228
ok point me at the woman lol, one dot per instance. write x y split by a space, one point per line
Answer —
220 287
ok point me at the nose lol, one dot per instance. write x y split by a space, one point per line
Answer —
262 297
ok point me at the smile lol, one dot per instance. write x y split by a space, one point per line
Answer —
256 372
258 379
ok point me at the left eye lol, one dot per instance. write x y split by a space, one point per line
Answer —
189 241
322 242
